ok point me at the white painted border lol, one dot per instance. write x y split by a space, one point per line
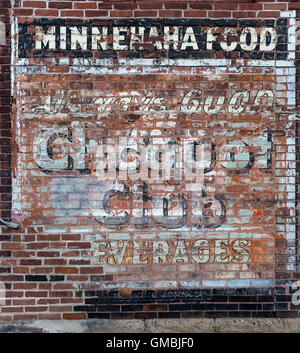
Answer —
127 66
291 231
16 185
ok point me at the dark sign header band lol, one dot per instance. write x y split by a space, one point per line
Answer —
154 38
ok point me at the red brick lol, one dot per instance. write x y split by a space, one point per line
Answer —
85 5
11 278
60 308
244 14
7 309
87 270
47 301
219 14
269 14
43 270
24 317
14 294
96 13
23 253
4 12
12 246
72 13
36 294
48 316
79 262
125 6
66 270
23 12
32 262
5 4
45 13
121 13
155 307
194 13
74 316
77 278
294 6
23 302
151 6
45 237
60 5
59 286
21 270
170 13
44 286
79 245
6 318
138 13
35 4
32 309
55 262
71 301
251 7
176 5
71 253
61 294
47 254
37 245
25 285
201 6
71 237
105 5
275 7
226 6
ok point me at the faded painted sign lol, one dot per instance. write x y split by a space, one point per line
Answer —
163 142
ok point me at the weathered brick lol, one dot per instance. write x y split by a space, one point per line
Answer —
60 5
216 250
35 4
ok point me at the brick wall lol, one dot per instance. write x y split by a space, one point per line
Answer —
221 242
5 116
